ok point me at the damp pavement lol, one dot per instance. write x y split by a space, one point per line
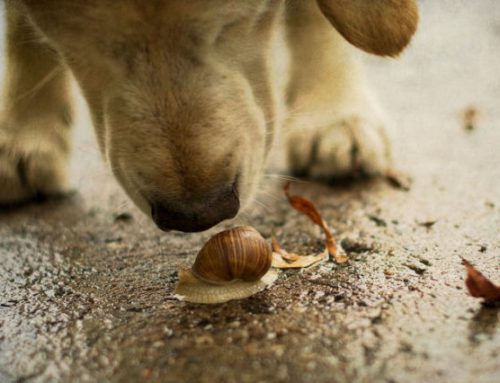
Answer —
86 283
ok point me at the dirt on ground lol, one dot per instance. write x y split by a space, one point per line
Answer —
86 283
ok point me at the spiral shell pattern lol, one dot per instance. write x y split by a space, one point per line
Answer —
236 254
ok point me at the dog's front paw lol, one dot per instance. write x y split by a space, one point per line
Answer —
31 174
346 148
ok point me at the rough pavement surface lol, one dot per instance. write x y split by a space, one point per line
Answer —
86 294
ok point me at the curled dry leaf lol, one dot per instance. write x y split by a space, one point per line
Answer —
470 115
479 286
307 207
282 252
284 259
301 262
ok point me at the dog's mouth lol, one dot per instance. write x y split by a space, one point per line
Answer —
186 214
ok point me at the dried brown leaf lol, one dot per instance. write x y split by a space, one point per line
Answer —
470 116
307 207
300 262
282 259
282 252
479 286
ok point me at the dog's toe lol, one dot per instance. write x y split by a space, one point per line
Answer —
24 177
346 148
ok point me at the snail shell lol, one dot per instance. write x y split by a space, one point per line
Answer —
239 253
233 264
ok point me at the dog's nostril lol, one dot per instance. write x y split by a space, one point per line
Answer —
197 215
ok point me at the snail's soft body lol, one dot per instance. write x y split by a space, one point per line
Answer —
233 264
193 290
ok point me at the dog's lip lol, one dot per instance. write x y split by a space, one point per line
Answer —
188 231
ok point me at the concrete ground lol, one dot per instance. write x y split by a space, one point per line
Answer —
86 294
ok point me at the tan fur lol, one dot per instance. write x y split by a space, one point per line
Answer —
383 27
35 116
184 96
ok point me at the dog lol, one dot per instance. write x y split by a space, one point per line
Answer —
187 96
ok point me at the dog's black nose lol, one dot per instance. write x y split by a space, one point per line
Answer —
196 215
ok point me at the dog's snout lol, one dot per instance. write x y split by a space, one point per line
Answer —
193 215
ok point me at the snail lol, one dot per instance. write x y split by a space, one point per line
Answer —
233 264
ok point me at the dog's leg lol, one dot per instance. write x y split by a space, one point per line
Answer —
334 126
35 116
